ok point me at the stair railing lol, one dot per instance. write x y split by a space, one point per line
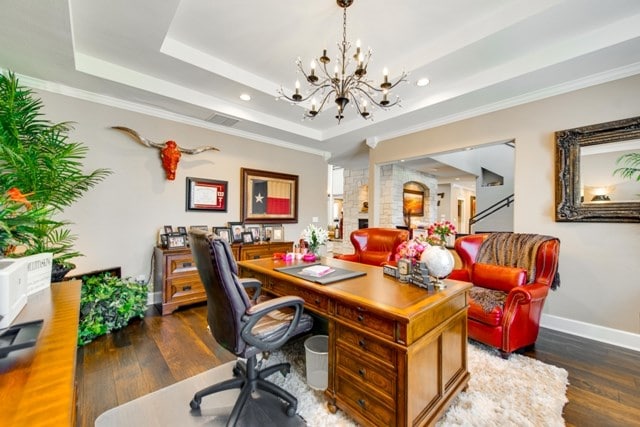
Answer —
506 202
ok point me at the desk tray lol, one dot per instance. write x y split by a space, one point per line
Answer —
17 337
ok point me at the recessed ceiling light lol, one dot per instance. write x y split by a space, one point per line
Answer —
422 82
245 97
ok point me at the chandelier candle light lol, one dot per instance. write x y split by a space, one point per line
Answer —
343 87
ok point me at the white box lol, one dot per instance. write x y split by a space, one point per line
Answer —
13 289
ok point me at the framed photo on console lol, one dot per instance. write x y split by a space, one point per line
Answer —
224 233
255 232
206 195
277 233
269 197
176 240
247 237
237 228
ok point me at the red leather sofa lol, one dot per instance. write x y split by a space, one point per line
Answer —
507 316
375 246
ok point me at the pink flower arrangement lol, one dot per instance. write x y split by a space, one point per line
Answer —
411 249
441 230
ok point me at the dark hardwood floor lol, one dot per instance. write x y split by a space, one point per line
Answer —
157 351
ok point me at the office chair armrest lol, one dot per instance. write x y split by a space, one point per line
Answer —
251 283
258 311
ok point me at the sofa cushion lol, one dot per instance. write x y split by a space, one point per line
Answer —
375 257
479 314
498 277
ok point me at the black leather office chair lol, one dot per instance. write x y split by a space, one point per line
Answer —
242 326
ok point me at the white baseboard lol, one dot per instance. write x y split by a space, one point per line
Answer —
154 298
594 332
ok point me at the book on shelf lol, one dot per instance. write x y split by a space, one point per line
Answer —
317 270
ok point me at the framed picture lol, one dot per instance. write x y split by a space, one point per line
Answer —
277 233
164 240
176 240
267 232
237 228
224 233
255 231
413 202
182 230
206 195
247 237
168 229
269 197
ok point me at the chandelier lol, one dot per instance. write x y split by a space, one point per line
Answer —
340 86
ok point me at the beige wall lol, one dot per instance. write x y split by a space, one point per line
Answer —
599 264
117 221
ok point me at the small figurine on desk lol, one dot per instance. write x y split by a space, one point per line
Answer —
420 276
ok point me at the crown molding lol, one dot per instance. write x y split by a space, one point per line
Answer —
72 92
582 83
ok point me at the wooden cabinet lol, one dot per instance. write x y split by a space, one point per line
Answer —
176 276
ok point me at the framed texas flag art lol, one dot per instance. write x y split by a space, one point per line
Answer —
269 197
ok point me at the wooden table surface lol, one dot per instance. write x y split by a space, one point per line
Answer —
37 385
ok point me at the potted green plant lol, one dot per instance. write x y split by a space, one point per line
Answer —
37 158
18 221
108 303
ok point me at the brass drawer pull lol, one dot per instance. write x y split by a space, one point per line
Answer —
186 288
318 300
360 317
362 343
362 403
187 264
362 372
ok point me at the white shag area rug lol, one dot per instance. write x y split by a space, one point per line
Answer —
518 392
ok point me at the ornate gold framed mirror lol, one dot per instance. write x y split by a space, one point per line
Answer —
589 185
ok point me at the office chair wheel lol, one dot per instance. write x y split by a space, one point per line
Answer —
291 410
195 404
285 371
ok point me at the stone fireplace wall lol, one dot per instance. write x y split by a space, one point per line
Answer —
392 180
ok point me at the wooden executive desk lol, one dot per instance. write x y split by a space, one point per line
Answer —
397 352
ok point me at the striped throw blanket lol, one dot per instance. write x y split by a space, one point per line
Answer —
515 250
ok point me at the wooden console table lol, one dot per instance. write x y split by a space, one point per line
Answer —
176 276
37 385
397 352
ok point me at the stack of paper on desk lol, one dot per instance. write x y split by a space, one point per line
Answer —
317 270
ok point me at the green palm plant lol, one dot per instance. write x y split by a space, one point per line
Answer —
631 162
37 158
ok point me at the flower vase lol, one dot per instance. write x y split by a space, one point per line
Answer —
439 262
311 255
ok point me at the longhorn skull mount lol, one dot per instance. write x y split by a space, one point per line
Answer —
170 152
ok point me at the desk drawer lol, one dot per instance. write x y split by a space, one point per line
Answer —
374 349
364 403
181 264
371 376
184 288
363 319
311 299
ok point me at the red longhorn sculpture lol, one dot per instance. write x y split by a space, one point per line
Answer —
170 152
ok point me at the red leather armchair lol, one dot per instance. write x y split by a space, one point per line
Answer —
506 312
375 246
